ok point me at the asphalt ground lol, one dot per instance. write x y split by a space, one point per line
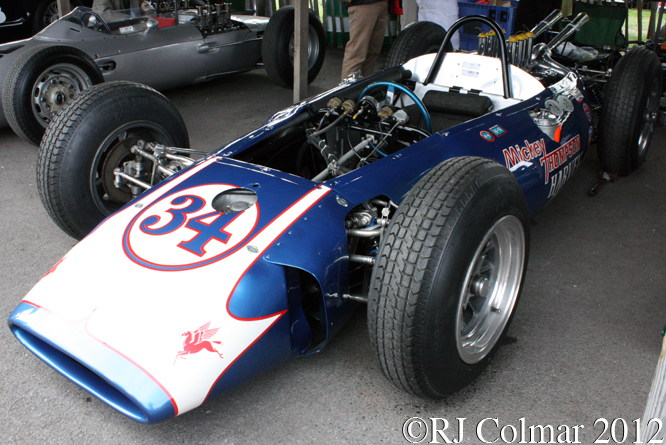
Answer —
583 346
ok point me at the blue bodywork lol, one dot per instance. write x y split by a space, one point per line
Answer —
314 245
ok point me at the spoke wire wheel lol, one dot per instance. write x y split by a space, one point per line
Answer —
313 47
54 87
649 118
490 289
50 14
112 153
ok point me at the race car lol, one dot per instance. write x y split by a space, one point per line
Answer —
410 191
166 48
20 19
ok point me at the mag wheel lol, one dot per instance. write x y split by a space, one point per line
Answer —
41 82
629 111
89 139
416 39
278 47
490 289
448 276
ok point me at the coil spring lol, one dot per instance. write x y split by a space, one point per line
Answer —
594 91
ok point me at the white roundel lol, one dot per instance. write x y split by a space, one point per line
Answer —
183 231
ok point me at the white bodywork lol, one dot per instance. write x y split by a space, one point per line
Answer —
153 324
474 72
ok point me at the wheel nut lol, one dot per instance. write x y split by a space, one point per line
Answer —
480 286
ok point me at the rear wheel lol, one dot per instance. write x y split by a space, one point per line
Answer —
448 276
629 111
40 82
89 139
45 14
415 40
277 49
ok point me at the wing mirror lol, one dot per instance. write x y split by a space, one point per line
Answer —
151 24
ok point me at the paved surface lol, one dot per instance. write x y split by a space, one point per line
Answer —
583 346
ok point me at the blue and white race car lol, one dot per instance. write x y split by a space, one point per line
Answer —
411 191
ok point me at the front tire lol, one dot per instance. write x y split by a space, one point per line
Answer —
39 84
448 276
629 111
91 137
277 49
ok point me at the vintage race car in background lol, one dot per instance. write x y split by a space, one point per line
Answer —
410 190
162 50
22 18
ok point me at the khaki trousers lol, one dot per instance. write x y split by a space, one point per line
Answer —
367 25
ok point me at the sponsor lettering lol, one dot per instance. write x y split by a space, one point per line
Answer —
516 154
560 178
559 156
520 155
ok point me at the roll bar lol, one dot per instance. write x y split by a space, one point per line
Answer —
437 63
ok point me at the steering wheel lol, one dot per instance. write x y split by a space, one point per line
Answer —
94 21
437 63
391 87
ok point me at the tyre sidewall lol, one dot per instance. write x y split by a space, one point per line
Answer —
38 17
280 61
635 157
321 35
622 118
495 199
84 151
415 40
21 91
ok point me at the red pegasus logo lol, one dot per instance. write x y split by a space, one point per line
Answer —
197 340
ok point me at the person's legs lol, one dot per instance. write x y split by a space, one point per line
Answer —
381 17
356 49
367 24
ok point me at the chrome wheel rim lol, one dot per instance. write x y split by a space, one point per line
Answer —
490 290
649 118
54 87
313 47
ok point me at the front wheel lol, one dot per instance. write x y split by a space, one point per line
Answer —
277 50
448 276
89 140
